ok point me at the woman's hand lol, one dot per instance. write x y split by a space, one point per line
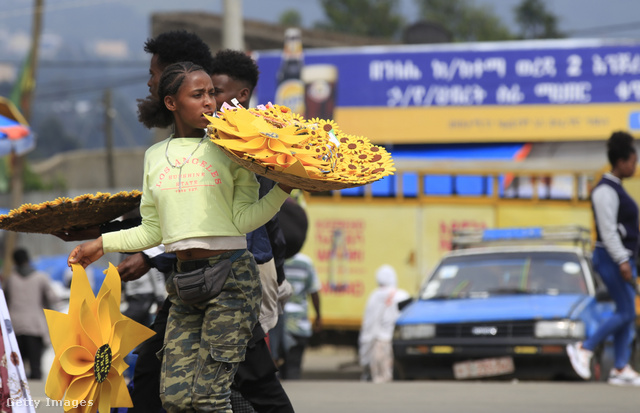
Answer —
86 253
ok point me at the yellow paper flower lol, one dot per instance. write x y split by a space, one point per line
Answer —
90 343
239 130
274 137
326 125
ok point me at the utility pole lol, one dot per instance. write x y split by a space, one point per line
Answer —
108 131
17 161
233 25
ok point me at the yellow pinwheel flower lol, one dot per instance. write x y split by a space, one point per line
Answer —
90 343
254 133
255 137
280 140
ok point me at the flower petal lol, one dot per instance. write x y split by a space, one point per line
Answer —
118 365
108 314
76 360
281 159
277 146
120 396
111 283
57 381
104 317
80 388
59 327
127 334
80 291
104 398
92 399
91 339
239 145
255 144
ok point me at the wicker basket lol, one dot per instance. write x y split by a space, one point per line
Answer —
294 181
70 214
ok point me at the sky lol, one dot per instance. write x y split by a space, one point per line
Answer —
578 18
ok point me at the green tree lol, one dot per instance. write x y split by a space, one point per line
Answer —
376 18
291 18
465 21
535 21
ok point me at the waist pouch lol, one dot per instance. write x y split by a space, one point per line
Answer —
205 283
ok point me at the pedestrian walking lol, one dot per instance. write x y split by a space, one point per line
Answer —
614 257
28 292
298 328
379 319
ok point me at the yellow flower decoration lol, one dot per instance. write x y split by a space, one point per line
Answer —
278 115
254 136
325 125
90 343
352 146
280 140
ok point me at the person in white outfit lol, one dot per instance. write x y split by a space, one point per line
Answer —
380 315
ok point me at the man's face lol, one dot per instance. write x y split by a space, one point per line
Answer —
227 88
155 71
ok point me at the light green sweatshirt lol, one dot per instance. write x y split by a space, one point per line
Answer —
215 197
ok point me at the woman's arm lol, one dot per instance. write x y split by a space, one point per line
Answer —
249 212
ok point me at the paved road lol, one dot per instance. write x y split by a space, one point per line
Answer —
335 396
330 384
458 397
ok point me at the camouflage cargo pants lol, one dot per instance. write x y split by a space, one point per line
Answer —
204 343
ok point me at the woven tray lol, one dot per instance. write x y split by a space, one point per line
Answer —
81 212
294 181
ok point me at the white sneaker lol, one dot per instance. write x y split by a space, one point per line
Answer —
580 359
625 377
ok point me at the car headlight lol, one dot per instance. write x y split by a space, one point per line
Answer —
560 329
413 331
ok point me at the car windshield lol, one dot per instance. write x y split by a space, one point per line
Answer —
484 275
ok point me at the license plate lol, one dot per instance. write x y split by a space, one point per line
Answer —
483 368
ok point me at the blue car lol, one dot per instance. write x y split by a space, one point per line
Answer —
504 306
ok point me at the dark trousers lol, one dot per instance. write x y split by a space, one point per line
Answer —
31 348
291 369
255 380
146 374
138 309
621 323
